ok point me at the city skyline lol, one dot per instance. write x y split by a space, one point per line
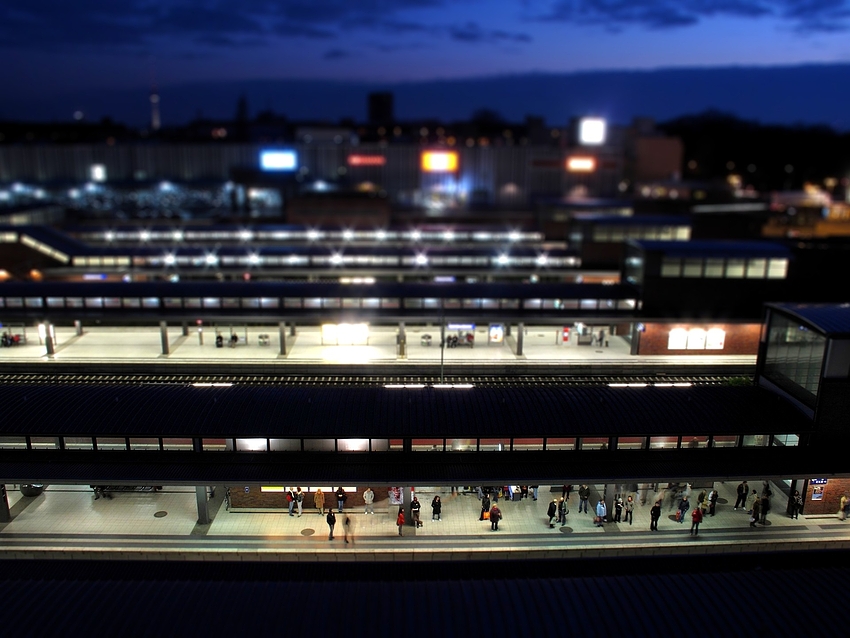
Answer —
86 53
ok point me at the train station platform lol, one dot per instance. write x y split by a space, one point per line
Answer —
259 347
66 522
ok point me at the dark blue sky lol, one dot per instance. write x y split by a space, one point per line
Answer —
57 53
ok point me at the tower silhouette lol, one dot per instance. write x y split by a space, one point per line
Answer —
155 122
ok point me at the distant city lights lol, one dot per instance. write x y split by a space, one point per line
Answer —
581 164
439 161
591 131
98 173
366 160
278 160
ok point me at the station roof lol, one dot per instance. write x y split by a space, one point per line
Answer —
378 412
831 319
708 248
605 219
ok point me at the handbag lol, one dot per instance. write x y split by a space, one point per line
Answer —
486 516
752 519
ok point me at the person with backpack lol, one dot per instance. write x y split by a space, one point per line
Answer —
299 500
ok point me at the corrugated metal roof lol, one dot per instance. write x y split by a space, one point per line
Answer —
281 412
831 319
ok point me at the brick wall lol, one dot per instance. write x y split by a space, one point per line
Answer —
740 338
254 498
832 492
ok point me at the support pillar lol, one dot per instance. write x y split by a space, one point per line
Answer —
163 335
520 333
508 329
49 336
78 328
203 510
185 326
281 327
292 329
5 514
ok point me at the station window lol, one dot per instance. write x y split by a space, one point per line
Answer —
692 268
389 302
779 440
352 445
427 445
291 302
379 445
313 302
412 303
594 443
212 302
147 444
177 444
452 303
94 302
631 443
671 267
777 269
370 303
230 302
430 302
78 443
561 444
192 302
461 445
150 302
663 442
34 302
725 440
471 303
111 443
252 445
70 302
526 445
532 304
285 445
112 302
319 445
253 302
589 304
494 445
713 268
735 269
330 302
133 302
13 443
396 445
755 440
14 302
348 302
692 442
216 445
490 304
55 302
756 268
509 304
44 442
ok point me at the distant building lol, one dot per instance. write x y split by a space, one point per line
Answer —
381 108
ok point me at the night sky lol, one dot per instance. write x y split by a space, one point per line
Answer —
64 56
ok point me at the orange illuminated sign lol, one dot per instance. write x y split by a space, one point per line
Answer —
439 162
581 164
366 160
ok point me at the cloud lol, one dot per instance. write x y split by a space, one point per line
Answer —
336 54
472 33
803 15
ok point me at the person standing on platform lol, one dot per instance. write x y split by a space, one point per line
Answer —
341 497
742 491
415 506
523 491
290 500
601 512
765 508
583 497
754 513
331 519
712 502
629 508
684 506
654 515
618 509
400 521
369 500
534 491
796 504
299 500
436 508
552 513
562 512
346 528
319 501
696 519
485 506
495 517
754 498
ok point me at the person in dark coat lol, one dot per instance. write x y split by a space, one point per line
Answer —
436 508
654 515
742 489
712 502
331 518
754 517
684 506
552 512
796 504
562 512
485 506
495 517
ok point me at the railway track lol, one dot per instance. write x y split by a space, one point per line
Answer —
365 380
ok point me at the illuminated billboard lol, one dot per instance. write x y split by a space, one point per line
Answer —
581 164
366 160
278 160
439 161
591 131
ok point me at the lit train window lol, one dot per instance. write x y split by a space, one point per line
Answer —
389 302
631 443
471 303
177 444
13 443
212 302
253 302
112 302
133 302
427 445
330 302
594 443
319 445
350 303
94 302
589 304
312 302
72 302
726 440
430 302
230 302
78 443
371 303
526 445
532 303
44 442
111 443
192 302
561 443
285 445
663 442
150 302
55 302
509 304
292 302
490 304
269 302
413 303
34 302
14 302
149 445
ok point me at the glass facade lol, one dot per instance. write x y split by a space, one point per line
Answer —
794 358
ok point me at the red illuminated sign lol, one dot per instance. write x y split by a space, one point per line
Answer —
366 160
